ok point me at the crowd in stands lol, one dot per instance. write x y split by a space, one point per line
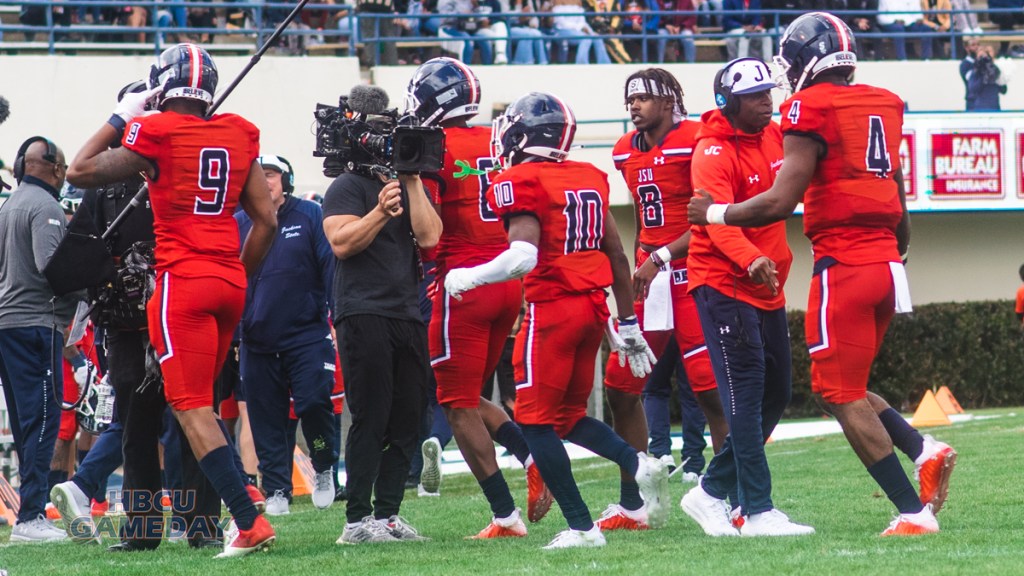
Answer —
545 31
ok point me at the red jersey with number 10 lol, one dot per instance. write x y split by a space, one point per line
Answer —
570 199
659 180
852 205
473 233
201 167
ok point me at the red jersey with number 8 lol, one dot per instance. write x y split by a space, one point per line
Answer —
852 205
473 233
201 168
659 180
570 200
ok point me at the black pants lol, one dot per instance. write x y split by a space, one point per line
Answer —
386 374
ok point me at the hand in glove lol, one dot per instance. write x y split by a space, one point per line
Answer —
85 374
634 348
134 103
458 281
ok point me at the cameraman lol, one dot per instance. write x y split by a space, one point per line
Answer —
982 78
376 228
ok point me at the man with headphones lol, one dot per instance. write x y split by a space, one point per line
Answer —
736 277
32 224
286 344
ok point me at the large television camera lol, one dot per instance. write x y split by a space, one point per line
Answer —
360 135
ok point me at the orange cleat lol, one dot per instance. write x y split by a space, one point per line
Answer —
737 518
258 500
511 527
615 517
933 474
538 497
99 508
51 512
243 542
913 524
165 501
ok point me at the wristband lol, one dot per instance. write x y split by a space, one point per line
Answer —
664 256
655 259
78 361
118 123
628 321
716 213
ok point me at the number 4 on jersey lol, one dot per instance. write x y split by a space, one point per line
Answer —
877 157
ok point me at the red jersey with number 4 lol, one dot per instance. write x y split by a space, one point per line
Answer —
570 199
201 167
473 233
852 206
659 180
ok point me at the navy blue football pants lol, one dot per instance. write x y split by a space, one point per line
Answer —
307 373
30 368
657 395
750 354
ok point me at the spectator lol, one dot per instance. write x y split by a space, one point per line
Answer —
864 18
32 224
936 16
35 15
494 27
982 78
679 27
1019 308
462 28
1006 20
901 17
746 19
639 22
528 48
376 26
570 22
608 25
964 21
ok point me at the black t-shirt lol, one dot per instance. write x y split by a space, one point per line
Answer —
382 279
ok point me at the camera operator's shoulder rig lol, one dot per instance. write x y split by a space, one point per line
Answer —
112 199
375 142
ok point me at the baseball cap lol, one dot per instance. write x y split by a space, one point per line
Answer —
747 76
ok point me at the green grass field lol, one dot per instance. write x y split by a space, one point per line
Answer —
817 481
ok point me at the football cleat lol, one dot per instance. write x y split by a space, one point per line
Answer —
737 517
709 512
165 500
938 460
99 509
923 522
258 500
430 477
577 539
242 542
652 478
51 512
773 523
538 497
511 527
615 517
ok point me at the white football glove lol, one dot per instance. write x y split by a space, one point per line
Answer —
635 349
134 103
84 375
460 280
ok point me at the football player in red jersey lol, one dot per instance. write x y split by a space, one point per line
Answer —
737 278
563 241
198 168
654 161
467 335
840 141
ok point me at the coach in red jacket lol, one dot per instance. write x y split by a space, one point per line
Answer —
736 277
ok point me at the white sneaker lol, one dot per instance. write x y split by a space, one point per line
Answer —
421 491
711 513
773 523
369 530
652 477
669 461
690 477
577 539
500 59
38 530
277 505
74 509
323 489
402 530
430 478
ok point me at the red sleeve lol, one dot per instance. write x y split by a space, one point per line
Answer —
515 193
623 150
713 171
1020 300
145 136
805 115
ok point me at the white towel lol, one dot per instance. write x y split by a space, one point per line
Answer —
658 305
79 324
902 287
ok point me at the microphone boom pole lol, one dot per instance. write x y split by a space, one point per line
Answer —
143 192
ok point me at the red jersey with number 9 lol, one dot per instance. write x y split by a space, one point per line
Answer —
659 180
852 205
473 233
570 200
201 167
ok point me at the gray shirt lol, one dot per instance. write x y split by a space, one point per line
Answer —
32 224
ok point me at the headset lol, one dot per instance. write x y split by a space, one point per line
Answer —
724 98
19 160
287 176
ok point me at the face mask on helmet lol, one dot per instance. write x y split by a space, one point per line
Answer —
812 44
442 89
185 71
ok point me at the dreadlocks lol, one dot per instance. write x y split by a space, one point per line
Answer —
656 82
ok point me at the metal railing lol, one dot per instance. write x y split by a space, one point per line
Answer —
260 23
